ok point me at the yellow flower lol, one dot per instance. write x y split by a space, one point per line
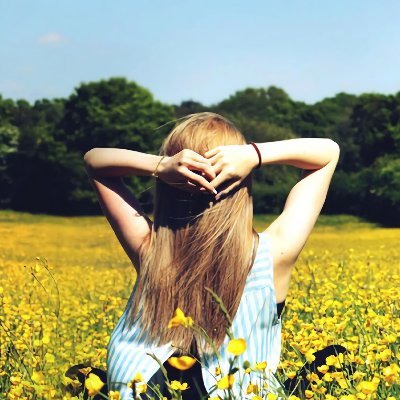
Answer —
137 378
93 384
85 371
182 363
261 366
367 387
37 377
252 388
226 382
74 383
141 388
310 356
291 374
114 395
323 369
236 346
176 385
309 394
271 396
179 319
49 358
256 398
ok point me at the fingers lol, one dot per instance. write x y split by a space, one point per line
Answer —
200 180
215 158
211 153
204 167
192 159
227 190
217 168
220 178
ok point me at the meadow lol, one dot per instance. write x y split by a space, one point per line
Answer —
64 282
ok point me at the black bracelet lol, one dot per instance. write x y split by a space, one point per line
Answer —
258 153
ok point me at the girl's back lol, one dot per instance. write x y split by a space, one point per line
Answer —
256 321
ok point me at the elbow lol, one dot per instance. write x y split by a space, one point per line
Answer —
335 149
87 158
88 161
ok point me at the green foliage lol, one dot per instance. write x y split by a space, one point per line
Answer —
9 139
42 145
113 113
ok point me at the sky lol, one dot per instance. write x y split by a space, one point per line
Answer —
200 50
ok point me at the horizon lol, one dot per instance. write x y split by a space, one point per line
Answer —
196 100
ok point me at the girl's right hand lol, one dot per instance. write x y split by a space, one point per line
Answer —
231 163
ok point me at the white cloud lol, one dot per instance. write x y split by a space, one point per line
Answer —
51 39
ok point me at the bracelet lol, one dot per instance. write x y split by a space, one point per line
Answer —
258 153
155 171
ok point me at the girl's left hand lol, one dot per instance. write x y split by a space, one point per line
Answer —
179 171
231 164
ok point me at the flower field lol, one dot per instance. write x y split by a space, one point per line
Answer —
64 282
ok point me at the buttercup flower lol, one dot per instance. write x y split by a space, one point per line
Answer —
182 363
236 346
252 388
137 378
85 371
179 319
260 366
114 395
141 388
226 382
176 385
93 384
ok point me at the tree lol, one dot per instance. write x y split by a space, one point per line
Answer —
110 113
272 105
189 107
113 113
9 140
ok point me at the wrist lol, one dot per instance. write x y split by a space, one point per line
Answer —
254 158
161 165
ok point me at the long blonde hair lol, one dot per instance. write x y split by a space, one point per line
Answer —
195 243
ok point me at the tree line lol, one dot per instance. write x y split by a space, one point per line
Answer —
42 145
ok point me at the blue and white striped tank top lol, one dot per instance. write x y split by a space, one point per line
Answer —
256 321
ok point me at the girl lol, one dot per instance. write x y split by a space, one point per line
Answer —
202 237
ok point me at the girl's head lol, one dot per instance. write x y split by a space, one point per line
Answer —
201 132
195 243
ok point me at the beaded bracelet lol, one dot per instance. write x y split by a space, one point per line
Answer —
258 153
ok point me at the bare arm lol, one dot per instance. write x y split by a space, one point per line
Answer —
306 153
107 166
114 162
289 232
318 157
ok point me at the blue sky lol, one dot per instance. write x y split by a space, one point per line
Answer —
204 50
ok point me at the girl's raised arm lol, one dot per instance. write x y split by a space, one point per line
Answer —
107 166
289 232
